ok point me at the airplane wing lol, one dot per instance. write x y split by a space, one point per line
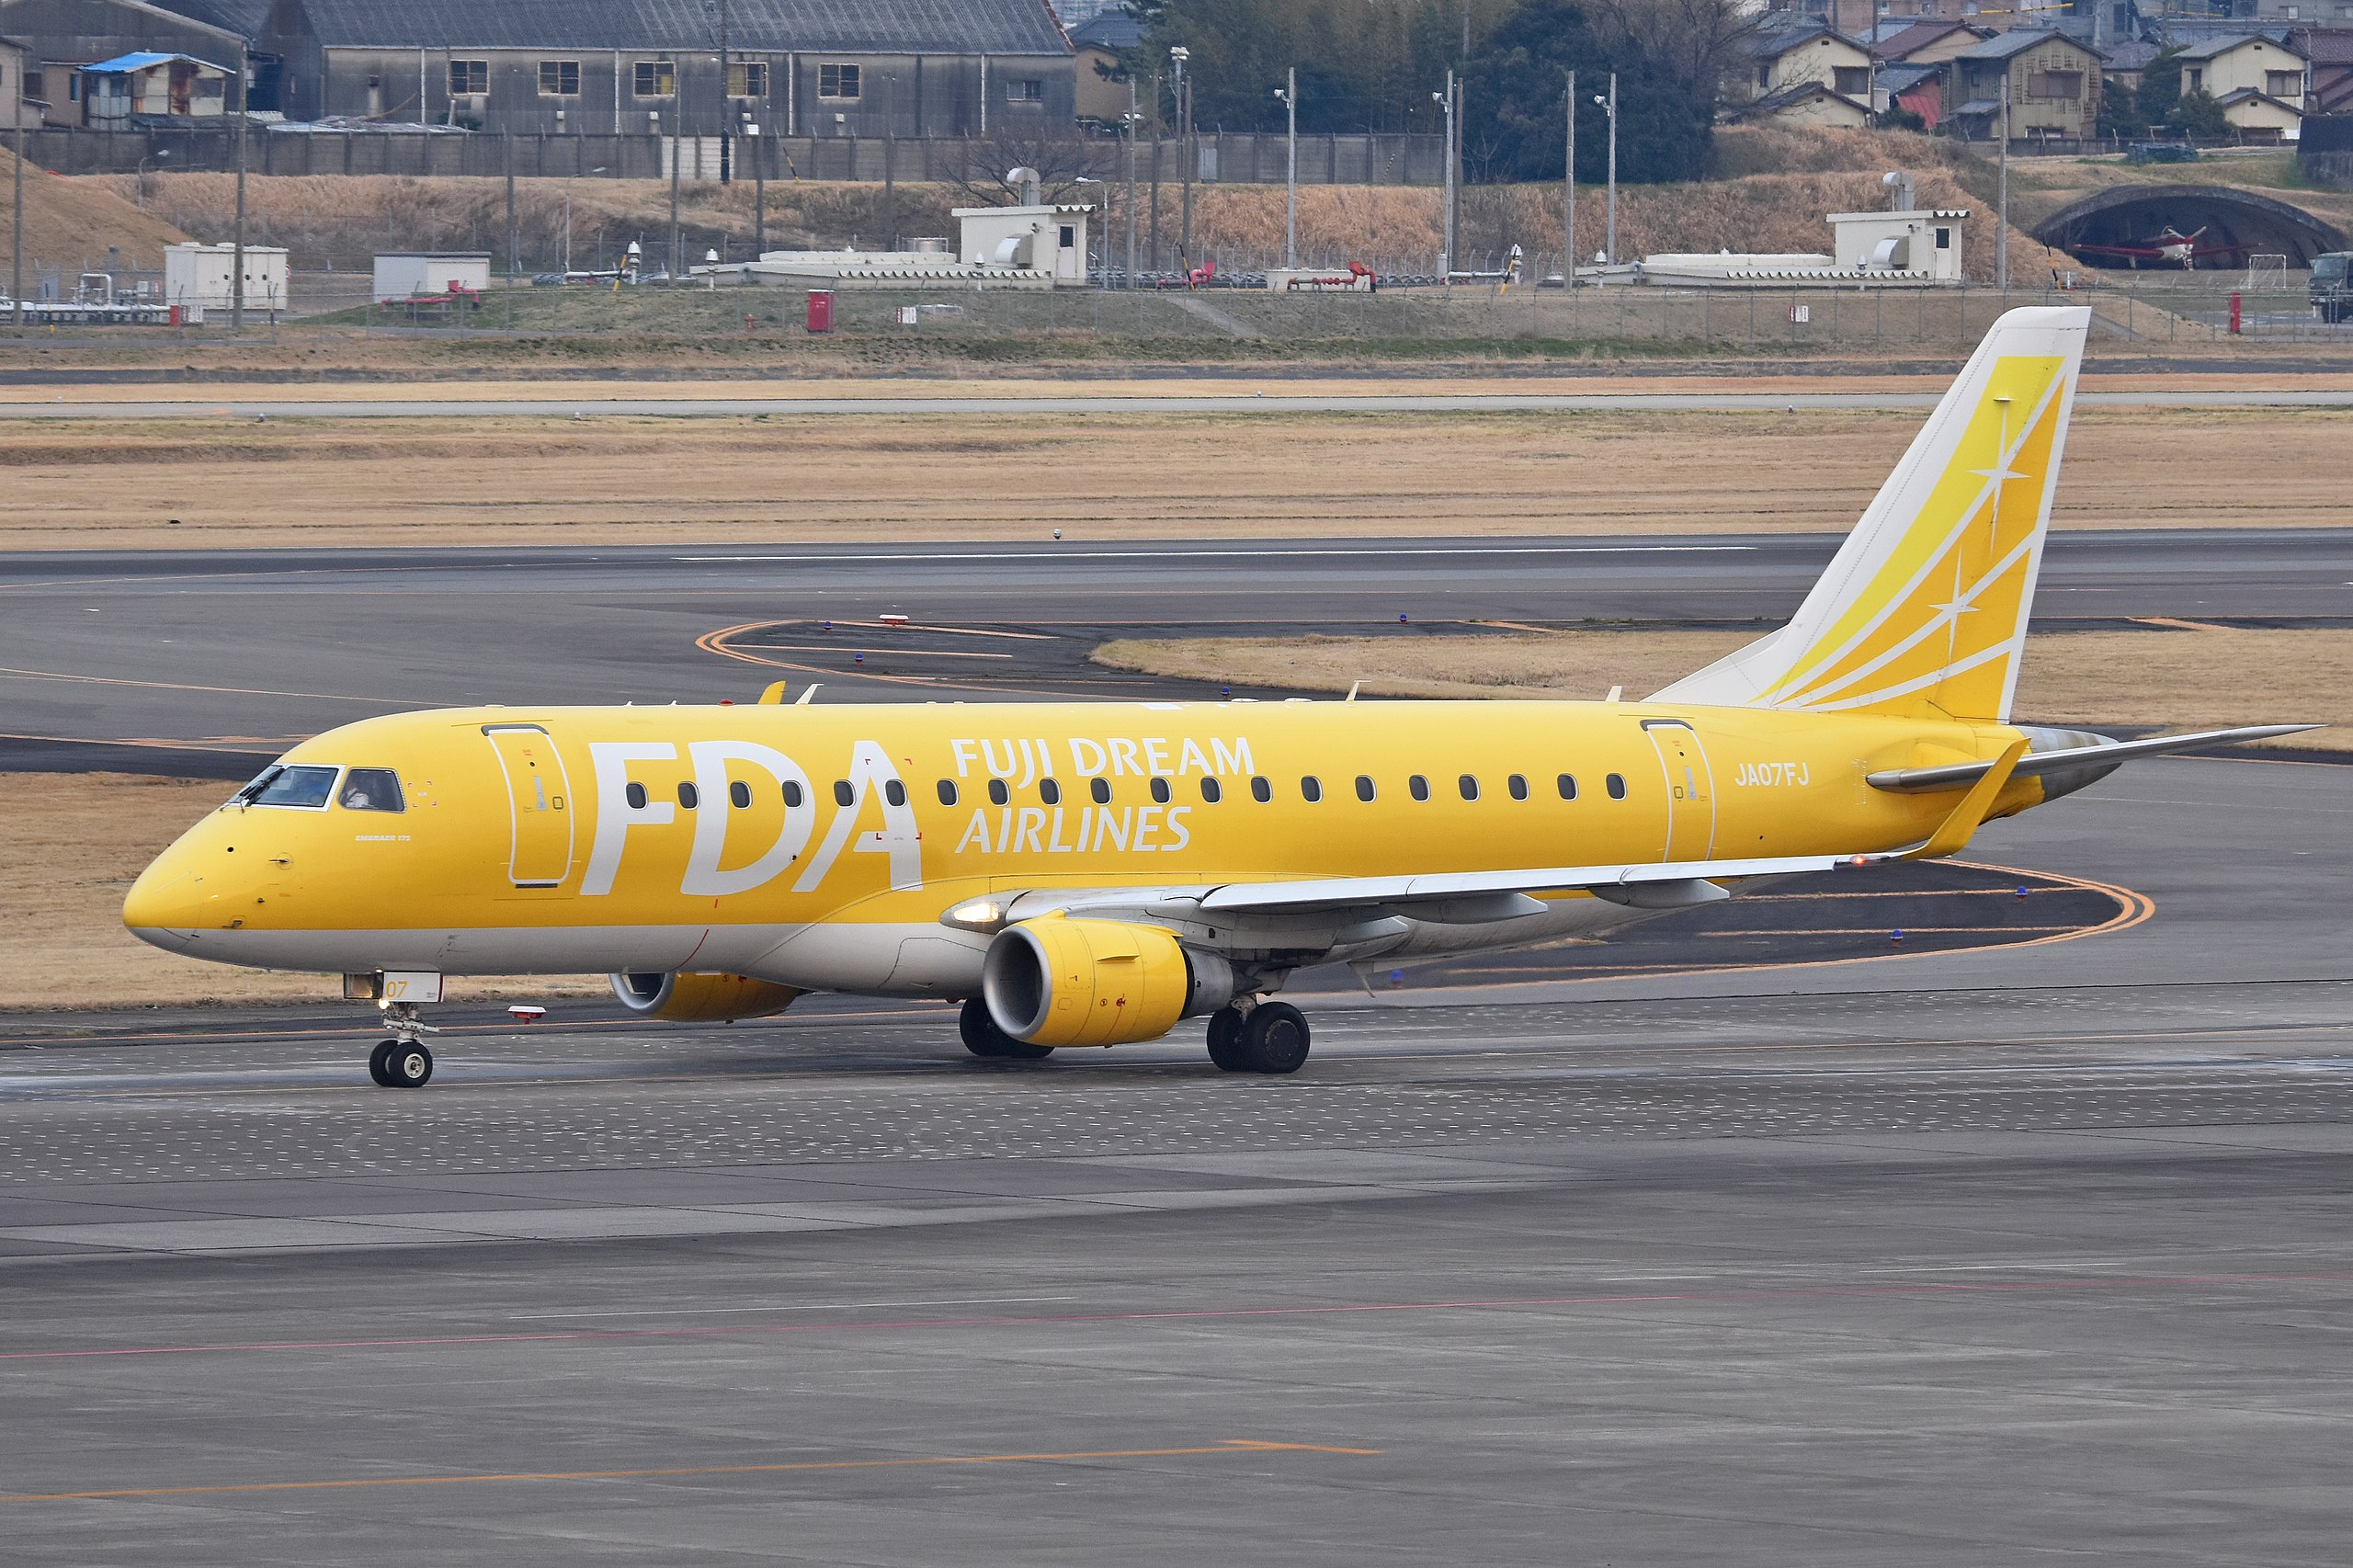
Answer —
1960 773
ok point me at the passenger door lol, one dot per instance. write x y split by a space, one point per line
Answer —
538 799
1690 790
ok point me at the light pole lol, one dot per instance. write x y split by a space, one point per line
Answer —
1178 53
237 249
1130 123
1446 258
156 158
1289 93
1609 251
727 103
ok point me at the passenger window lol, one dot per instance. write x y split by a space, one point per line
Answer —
1616 785
1260 790
895 791
1364 787
1418 786
740 793
689 796
1311 787
1099 790
635 795
1050 792
947 791
1567 785
1212 790
843 794
296 786
998 793
1469 786
1517 785
793 795
373 790
1160 790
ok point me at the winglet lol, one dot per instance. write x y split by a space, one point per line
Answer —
1952 835
773 693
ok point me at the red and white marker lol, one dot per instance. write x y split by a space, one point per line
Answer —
524 1013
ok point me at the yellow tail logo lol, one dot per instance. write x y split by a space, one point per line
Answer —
1924 611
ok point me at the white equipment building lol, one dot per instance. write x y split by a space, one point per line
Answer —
202 275
1905 247
1037 245
406 274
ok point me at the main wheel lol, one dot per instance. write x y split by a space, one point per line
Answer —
982 1038
1225 1040
1274 1037
408 1066
380 1063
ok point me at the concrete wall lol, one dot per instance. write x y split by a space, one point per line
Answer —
1244 158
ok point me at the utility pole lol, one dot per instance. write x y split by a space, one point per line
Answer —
677 251
17 242
727 103
1446 163
759 192
237 235
1290 95
1155 171
1569 194
1186 157
2001 192
514 231
1131 180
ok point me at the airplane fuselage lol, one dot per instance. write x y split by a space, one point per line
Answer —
819 848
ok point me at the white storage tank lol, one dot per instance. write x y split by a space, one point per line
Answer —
203 276
406 274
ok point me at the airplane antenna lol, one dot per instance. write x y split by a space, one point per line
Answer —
1351 696
1615 693
806 693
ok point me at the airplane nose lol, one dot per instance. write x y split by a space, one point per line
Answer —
167 903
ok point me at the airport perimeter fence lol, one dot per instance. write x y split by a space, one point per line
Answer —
2144 311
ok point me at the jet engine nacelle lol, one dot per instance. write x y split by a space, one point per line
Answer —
702 998
1056 981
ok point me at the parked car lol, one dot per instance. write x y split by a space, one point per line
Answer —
2333 286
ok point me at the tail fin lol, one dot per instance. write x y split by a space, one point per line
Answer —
1922 613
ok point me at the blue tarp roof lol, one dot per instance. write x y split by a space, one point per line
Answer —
140 60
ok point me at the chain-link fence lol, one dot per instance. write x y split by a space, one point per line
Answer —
2148 311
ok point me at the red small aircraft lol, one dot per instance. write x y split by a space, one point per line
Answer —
2170 248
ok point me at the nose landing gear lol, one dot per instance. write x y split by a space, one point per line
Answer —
402 1061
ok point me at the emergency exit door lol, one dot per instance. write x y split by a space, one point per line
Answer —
539 800
1690 790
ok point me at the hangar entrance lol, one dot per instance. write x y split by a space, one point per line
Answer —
2106 229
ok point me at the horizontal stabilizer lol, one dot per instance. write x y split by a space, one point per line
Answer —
1960 775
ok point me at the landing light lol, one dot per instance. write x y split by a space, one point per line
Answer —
984 914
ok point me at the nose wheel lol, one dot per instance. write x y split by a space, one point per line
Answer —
1270 1038
402 1061
401 1065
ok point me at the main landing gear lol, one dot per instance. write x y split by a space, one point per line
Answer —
1269 1038
401 1062
982 1038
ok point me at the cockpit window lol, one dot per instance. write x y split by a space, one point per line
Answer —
296 786
371 789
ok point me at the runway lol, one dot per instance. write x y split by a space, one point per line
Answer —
239 653
327 404
1942 1258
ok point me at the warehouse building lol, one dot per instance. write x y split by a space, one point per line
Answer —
827 68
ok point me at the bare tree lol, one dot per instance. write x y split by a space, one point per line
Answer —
1066 162
1696 39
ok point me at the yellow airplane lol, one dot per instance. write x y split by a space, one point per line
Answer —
1090 874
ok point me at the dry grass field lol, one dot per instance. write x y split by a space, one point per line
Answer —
2174 677
866 479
